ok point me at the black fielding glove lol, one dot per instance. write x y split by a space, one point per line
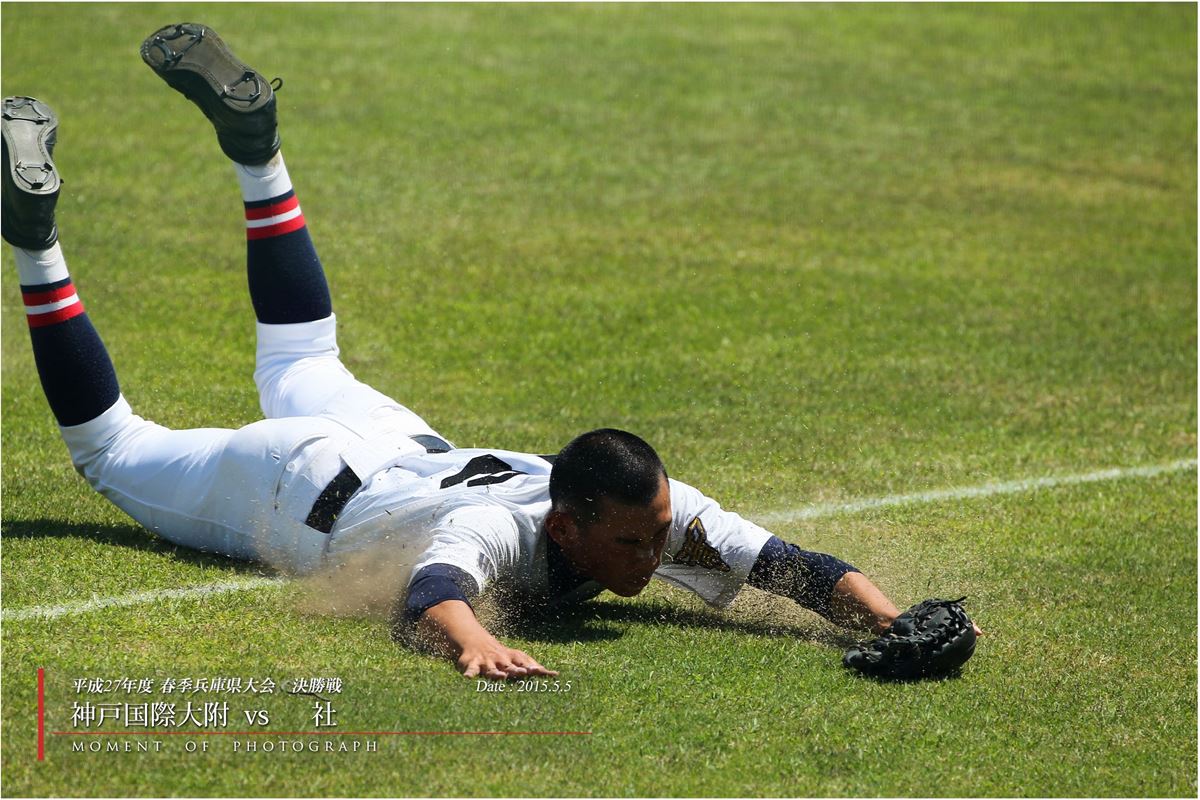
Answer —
932 638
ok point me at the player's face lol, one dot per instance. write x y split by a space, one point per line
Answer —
621 549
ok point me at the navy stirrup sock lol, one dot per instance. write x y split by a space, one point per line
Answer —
76 372
287 282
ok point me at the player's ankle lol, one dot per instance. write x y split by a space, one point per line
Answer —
263 181
262 171
37 267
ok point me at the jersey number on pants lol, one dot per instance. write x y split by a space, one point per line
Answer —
488 467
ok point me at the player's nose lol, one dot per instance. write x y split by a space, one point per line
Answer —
647 561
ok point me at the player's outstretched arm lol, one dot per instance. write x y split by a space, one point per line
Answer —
825 584
451 629
858 603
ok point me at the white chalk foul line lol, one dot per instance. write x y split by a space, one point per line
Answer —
771 517
967 492
139 598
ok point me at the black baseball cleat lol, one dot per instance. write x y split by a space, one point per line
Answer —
31 182
238 101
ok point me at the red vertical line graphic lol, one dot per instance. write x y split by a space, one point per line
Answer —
41 714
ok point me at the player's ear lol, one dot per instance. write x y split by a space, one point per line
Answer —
561 527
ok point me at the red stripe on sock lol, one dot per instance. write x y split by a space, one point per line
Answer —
52 296
53 317
273 210
294 224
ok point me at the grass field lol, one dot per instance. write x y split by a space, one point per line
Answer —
815 254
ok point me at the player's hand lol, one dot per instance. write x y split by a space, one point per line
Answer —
497 662
452 627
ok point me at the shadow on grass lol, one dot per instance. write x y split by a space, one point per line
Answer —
601 620
131 536
953 675
593 621
598 620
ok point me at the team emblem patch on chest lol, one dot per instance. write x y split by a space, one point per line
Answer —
697 552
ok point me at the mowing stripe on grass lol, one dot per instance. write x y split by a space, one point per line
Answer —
767 518
138 598
968 492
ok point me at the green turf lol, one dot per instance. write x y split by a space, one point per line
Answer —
812 253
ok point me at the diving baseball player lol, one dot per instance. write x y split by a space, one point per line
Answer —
336 468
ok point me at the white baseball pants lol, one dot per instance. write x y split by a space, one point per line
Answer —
246 493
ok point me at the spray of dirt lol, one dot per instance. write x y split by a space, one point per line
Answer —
367 584
372 584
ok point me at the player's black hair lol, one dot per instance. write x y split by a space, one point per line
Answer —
604 463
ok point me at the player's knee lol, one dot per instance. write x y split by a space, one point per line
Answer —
300 388
91 442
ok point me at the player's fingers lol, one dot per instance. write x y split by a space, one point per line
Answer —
470 671
537 669
492 668
978 630
521 660
511 668
533 667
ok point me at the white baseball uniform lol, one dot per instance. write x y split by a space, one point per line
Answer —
247 493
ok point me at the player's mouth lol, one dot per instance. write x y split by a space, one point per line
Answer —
631 585
641 582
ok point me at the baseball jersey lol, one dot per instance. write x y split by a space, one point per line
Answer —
481 511
248 493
